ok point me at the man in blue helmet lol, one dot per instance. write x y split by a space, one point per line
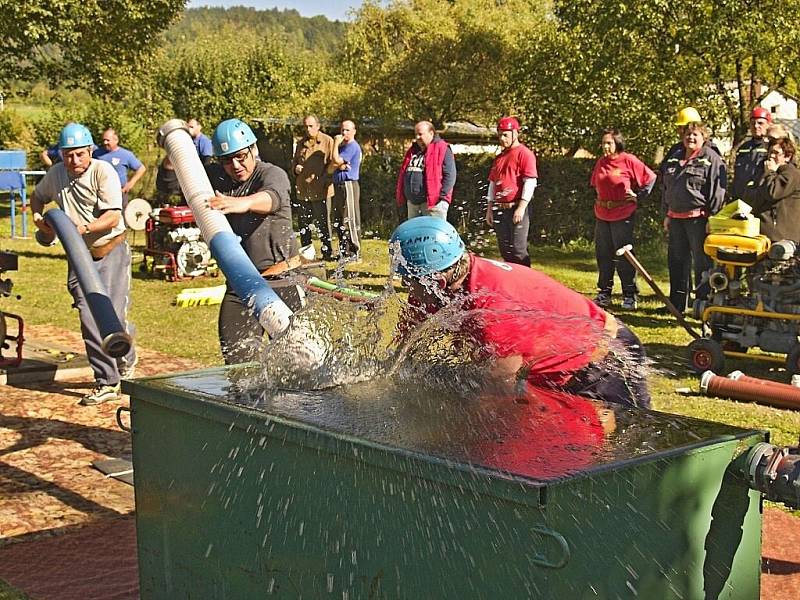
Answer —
89 191
531 326
254 196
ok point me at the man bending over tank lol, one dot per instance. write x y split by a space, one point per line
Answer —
531 326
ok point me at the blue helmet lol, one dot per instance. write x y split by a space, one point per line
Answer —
230 136
427 245
74 135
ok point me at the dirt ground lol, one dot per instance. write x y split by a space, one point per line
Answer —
67 531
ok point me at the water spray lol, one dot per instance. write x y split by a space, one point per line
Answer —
242 275
116 341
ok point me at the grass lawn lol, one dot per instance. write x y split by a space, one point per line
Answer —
191 332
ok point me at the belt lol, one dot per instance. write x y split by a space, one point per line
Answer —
689 214
99 252
609 204
505 205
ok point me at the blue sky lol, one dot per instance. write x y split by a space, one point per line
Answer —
333 9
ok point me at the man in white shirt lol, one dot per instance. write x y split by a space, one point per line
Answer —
89 192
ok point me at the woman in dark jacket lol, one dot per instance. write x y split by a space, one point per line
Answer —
776 199
694 189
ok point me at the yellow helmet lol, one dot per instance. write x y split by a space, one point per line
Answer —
687 115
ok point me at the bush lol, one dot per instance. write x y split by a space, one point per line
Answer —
562 210
15 132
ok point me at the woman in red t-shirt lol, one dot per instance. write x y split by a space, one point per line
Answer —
621 180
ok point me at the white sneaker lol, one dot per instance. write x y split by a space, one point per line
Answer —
126 371
629 303
100 394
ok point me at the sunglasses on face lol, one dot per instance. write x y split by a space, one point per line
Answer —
239 157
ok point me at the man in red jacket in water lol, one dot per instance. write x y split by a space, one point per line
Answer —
531 326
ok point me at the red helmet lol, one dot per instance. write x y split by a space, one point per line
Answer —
759 112
507 124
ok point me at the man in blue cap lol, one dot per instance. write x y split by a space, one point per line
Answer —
89 192
254 196
532 327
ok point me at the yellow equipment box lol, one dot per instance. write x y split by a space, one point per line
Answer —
739 250
735 218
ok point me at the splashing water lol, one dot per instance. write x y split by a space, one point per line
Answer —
333 343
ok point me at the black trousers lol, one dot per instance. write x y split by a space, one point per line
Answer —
240 334
315 213
685 255
609 236
512 238
617 378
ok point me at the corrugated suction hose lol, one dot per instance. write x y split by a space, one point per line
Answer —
116 341
241 273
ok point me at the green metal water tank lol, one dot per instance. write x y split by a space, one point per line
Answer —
380 491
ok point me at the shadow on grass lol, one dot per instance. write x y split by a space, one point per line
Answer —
669 360
636 320
43 254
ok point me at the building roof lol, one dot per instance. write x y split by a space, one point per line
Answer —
791 125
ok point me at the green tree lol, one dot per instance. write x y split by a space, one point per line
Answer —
294 31
639 60
98 43
443 61
237 72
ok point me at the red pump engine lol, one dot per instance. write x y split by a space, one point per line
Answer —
175 246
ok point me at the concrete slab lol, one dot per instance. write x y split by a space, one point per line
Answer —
44 362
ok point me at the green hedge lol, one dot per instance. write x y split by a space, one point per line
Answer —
562 206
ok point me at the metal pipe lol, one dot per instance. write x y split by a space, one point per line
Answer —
242 275
778 394
775 472
626 252
116 341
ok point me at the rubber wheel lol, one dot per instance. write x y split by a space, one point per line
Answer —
706 355
793 360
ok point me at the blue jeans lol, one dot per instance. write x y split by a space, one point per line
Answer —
619 377
418 210
685 255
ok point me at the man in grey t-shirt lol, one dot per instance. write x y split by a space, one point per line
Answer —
89 192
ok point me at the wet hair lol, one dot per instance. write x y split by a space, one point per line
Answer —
786 145
458 270
619 141
697 126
